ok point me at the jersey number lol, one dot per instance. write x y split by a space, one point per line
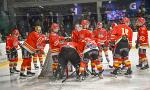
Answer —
124 31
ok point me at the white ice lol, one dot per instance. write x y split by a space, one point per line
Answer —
140 80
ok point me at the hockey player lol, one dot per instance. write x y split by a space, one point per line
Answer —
84 33
68 53
55 43
110 31
86 39
40 53
11 50
75 33
101 37
29 48
122 36
142 42
111 44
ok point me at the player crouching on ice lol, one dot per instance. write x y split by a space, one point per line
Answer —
68 53
142 43
122 36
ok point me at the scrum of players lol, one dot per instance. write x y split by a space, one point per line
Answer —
83 47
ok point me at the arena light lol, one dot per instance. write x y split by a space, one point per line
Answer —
109 1
41 7
15 14
27 14
76 11
75 4
51 13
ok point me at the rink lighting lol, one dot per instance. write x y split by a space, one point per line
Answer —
41 7
109 2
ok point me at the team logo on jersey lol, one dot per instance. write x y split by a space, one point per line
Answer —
143 32
15 44
81 36
142 38
100 35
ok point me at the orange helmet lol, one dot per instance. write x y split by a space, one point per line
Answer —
43 36
99 25
125 20
85 23
15 32
141 20
78 27
54 26
113 25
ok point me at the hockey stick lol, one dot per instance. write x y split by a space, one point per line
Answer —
68 76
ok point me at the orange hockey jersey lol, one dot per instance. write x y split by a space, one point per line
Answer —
70 44
31 42
82 35
75 36
55 42
11 42
120 31
142 37
100 36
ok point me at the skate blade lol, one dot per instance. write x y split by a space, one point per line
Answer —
11 74
78 80
115 76
23 77
30 75
16 72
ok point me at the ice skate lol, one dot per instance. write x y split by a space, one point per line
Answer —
94 73
145 67
114 73
128 73
30 74
11 71
36 67
15 70
22 76
139 66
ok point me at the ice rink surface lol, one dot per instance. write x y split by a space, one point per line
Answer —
140 80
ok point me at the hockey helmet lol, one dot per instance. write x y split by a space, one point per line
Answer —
113 25
85 23
38 29
15 32
141 20
99 25
55 27
125 20
78 27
